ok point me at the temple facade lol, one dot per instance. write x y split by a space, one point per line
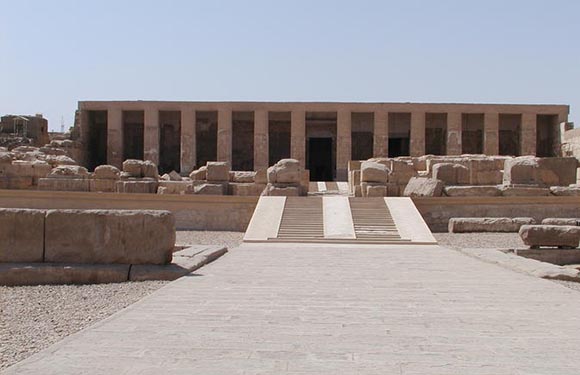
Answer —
183 136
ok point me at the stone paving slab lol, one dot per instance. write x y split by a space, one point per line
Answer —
294 309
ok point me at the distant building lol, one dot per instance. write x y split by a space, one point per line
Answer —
323 136
34 128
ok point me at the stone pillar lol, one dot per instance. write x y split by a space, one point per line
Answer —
261 157
115 137
151 135
528 134
343 143
454 133
188 146
491 133
417 133
381 135
298 136
224 136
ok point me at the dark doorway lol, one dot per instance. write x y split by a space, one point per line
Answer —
320 159
398 147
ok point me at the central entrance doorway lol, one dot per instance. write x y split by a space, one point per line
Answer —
320 159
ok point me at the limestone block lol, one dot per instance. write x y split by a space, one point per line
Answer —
423 187
451 174
62 273
521 170
550 235
487 224
133 167
282 190
5 158
472 191
64 184
557 171
16 183
173 187
174 176
565 191
261 176
21 235
285 171
109 236
139 186
52 150
242 176
372 171
69 171
209 189
376 191
484 172
149 170
401 172
24 149
56 160
102 186
218 171
246 190
523 191
561 221
106 172
199 174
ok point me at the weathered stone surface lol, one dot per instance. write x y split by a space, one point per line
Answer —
199 174
102 186
149 170
561 221
64 184
218 171
261 176
56 160
550 235
58 273
472 191
16 183
242 176
139 187
565 191
106 172
485 171
423 187
521 191
109 236
69 171
521 170
281 190
209 189
174 176
5 158
173 187
21 235
372 171
246 190
376 191
451 174
285 171
557 171
487 224
401 172
133 167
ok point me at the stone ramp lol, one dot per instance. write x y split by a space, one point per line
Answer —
338 219
316 309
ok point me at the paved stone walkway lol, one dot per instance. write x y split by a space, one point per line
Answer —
280 309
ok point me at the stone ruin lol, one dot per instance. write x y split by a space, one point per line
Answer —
464 176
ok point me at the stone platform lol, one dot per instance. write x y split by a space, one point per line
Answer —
313 309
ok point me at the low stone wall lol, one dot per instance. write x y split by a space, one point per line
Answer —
437 211
193 212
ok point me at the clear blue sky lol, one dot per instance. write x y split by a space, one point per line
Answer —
55 53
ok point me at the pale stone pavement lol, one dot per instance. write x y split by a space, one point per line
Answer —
305 309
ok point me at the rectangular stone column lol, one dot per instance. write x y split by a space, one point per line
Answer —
151 135
298 136
261 156
528 134
343 143
188 146
417 133
381 134
115 137
491 133
224 136
454 133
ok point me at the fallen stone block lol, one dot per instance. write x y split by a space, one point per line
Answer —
451 174
133 167
242 176
109 236
199 174
487 224
285 171
561 221
69 172
423 187
218 171
106 172
210 189
561 236
57 273
372 171
565 191
521 191
149 170
21 235
472 191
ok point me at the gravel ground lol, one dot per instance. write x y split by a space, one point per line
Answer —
35 317
480 240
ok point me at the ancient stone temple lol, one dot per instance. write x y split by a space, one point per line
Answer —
183 136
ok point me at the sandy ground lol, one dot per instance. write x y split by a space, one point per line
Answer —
34 317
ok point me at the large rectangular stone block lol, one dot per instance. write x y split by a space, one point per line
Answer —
21 235
16 183
137 187
63 184
109 236
103 186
